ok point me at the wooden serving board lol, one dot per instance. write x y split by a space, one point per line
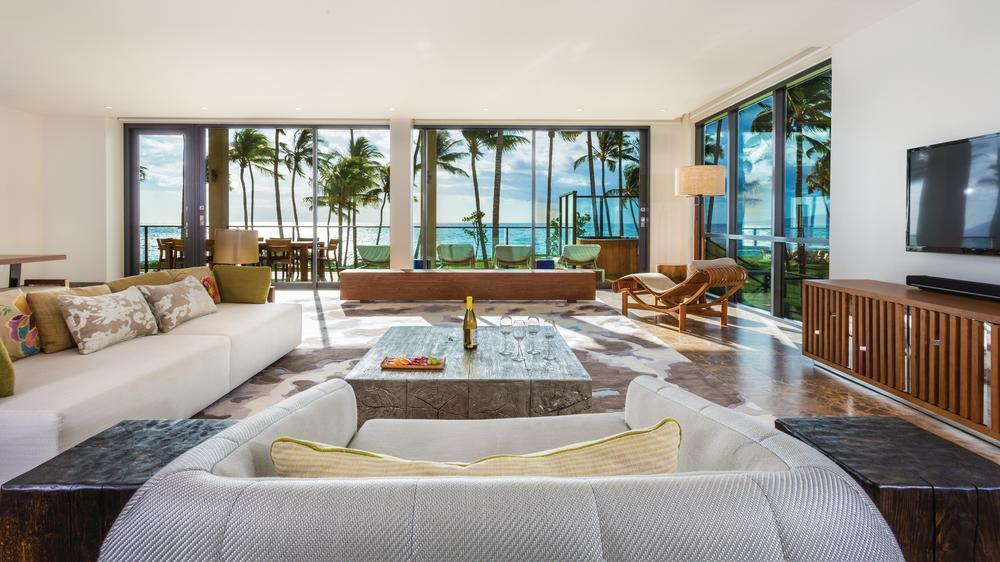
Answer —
386 366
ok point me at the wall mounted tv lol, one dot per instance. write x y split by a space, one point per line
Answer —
953 197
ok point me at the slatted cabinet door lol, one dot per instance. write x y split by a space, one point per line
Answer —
879 343
825 333
947 362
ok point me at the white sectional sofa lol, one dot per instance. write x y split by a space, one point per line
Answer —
63 398
744 492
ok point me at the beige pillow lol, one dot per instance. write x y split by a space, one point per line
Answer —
178 302
99 322
48 317
652 450
152 278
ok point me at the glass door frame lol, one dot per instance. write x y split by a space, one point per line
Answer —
643 202
193 211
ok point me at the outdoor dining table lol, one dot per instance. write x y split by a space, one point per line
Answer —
301 253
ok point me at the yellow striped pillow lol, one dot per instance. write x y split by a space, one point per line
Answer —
652 450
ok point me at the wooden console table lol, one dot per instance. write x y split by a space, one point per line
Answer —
925 348
15 261
941 501
63 508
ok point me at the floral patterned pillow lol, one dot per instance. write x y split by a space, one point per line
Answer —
17 332
99 322
178 302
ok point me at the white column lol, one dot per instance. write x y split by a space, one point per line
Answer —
671 218
400 185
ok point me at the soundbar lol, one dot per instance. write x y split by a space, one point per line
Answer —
955 286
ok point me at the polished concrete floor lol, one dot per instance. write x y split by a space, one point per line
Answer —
761 358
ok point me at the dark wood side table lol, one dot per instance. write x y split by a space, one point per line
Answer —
942 501
63 508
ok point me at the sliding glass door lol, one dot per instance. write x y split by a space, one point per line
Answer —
495 197
316 196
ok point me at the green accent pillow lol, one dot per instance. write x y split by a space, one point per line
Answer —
6 373
241 284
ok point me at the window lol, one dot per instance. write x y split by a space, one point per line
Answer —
778 156
531 191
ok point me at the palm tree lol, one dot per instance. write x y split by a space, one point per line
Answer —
568 136
589 158
359 175
476 140
629 191
500 143
251 151
714 151
385 194
277 178
296 155
622 151
807 121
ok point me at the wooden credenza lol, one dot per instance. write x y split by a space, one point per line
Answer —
940 352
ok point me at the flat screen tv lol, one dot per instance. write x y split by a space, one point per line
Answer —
953 197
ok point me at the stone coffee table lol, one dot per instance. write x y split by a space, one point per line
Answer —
474 385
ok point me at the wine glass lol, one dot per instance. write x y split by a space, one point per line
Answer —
506 327
519 333
533 325
550 335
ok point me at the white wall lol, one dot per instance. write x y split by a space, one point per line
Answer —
924 75
671 218
21 191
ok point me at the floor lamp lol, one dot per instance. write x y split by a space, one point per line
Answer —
697 182
236 247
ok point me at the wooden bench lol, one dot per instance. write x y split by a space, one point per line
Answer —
456 284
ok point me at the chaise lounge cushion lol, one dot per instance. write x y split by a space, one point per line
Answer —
468 440
259 334
61 399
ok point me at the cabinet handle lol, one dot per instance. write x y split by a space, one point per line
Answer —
816 332
934 342
833 315
863 348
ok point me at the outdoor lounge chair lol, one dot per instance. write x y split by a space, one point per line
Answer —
676 296
374 257
462 255
512 255
580 255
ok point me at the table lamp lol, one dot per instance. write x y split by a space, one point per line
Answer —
699 181
235 247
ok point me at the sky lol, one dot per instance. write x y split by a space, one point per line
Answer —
160 193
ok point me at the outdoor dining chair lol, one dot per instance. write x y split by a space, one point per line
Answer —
459 255
280 256
512 255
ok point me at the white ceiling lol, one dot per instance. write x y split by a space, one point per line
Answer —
431 59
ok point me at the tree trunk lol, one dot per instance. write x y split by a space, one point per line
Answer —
596 217
243 183
604 205
799 214
496 188
277 188
381 218
548 199
340 231
621 186
253 202
354 226
295 208
480 229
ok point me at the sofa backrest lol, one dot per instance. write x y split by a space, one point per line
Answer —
327 414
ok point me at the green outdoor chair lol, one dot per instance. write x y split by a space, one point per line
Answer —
580 255
375 257
460 255
513 255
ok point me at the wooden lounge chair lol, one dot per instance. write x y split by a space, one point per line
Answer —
674 294
461 255
374 256
512 255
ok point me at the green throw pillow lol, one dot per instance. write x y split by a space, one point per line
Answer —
6 373
243 284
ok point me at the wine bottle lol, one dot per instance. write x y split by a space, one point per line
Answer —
469 326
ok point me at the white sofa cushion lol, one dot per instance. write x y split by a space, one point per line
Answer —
469 440
63 398
260 334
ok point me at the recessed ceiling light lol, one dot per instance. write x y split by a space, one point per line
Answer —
203 108
298 109
486 109
579 109
108 107
392 109
663 111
